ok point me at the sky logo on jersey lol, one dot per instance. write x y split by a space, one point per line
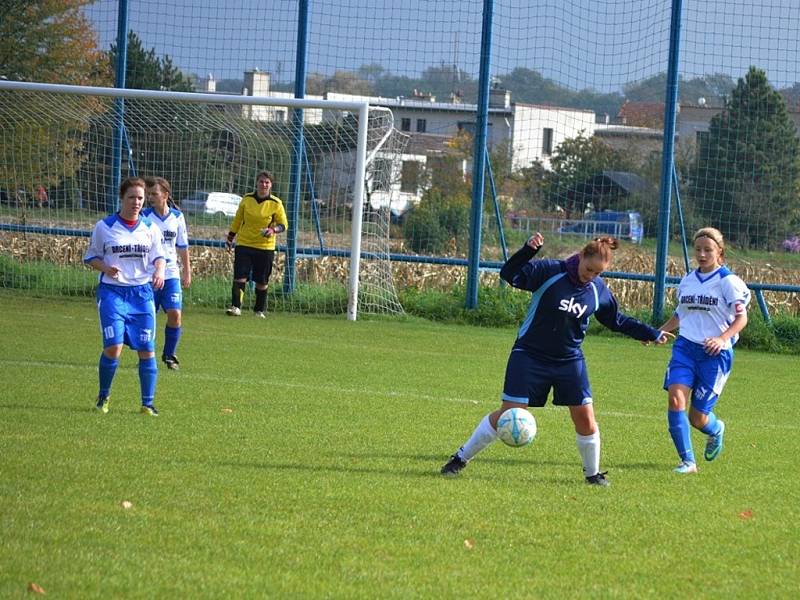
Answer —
572 307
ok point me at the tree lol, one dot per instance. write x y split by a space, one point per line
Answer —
714 88
147 71
348 83
46 41
748 165
576 160
152 126
371 72
49 41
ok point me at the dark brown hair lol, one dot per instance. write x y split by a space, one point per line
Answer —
129 183
164 185
266 174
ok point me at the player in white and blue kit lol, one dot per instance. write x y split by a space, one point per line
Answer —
711 311
175 238
547 352
126 248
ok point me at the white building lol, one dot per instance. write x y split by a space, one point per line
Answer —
532 132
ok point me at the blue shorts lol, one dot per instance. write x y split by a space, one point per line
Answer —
170 297
691 366
529 379
127 316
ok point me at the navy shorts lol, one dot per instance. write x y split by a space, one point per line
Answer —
529 379
253 263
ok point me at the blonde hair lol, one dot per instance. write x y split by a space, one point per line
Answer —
601 247
714 235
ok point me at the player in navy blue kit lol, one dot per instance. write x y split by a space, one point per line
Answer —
711 311
547 352
126 248
175 238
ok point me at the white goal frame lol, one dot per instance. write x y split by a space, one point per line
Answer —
359 108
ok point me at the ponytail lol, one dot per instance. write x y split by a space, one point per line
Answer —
601 247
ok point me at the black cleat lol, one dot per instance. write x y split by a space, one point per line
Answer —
172 362
453 466
599 479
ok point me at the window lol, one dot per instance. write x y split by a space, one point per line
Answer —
467 127
547 141
421 124
409 176
405 124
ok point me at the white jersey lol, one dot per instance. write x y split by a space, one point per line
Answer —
133 250
709 302
174 235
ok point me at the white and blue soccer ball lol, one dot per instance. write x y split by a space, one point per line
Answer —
516 427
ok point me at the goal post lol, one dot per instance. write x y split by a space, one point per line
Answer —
59 138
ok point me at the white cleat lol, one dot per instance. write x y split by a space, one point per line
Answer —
686 467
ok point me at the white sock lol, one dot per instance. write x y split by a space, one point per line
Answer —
589 449
483 435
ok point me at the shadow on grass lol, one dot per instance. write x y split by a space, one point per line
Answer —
396 465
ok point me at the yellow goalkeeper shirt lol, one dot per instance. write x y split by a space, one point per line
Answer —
252 217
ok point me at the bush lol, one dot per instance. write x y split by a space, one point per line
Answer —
440 223
506 307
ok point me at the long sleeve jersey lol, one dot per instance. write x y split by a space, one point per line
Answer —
252 216
560 307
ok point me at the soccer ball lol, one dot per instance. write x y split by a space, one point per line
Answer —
516 427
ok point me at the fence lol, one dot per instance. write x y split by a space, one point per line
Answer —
577 100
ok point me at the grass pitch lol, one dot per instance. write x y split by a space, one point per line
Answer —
299 457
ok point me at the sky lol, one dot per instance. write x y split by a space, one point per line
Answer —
597 44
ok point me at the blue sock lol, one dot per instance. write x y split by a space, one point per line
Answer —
148 374
712 427
107 368
171 337
680 431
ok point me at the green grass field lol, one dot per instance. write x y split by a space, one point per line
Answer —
299 457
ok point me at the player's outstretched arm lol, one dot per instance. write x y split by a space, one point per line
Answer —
517 260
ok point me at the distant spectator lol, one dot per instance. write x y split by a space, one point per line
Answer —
41 197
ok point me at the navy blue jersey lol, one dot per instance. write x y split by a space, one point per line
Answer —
558 316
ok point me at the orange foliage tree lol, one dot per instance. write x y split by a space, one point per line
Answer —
49 41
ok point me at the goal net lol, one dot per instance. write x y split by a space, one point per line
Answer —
59 146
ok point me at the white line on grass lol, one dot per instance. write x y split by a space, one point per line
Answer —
365 392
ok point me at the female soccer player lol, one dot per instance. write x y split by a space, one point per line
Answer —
175 238
126 248
712 310
259 218
547 352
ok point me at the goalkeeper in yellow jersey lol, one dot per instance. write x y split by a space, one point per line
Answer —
259 219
